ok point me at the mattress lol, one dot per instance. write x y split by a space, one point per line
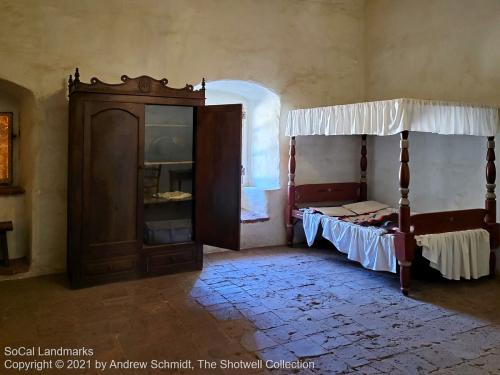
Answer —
167 231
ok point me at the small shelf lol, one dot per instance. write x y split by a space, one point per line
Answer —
15 266
176 246
168 126
11 190
150 201
168 162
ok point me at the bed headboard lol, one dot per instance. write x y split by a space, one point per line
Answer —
341 191
328 192
313 193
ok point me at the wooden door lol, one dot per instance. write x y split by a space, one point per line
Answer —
218 175
113 138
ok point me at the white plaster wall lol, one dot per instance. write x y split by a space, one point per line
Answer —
447 172
323 159
309 52
435 49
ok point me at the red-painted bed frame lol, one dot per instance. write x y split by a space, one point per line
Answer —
409 225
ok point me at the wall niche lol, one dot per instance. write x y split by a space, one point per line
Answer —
16 192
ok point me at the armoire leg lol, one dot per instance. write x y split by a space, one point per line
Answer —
199 256
490 203
405 277
493 262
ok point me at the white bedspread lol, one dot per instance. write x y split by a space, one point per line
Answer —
370 246
458 254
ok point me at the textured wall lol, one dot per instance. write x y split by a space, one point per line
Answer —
308 52
433 49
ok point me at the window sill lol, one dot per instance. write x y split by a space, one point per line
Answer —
252 217
262 188
11 190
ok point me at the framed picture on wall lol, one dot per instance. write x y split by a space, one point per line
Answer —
6 148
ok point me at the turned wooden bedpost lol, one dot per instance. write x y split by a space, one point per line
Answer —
404 240
290 205
490 202
363 163
404 183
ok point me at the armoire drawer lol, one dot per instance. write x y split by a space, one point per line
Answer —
114 266
170 260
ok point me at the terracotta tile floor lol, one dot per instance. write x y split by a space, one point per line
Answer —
275 304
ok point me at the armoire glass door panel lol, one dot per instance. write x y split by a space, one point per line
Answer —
168 174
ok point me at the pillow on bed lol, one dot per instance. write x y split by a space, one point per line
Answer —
365 207
334 211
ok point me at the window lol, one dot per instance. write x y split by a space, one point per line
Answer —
260 143
5 148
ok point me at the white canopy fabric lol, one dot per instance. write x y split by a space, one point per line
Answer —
389 117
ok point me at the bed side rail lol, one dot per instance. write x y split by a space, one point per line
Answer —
341 191
448 221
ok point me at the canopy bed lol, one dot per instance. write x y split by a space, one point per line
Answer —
433 233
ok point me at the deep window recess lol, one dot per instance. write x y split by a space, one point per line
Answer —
260 144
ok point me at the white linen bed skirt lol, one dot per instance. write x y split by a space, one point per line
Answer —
370 246
389 117
464 254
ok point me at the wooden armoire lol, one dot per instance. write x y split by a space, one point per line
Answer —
153 175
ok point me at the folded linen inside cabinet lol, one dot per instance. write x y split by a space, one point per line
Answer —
457 254
167 231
